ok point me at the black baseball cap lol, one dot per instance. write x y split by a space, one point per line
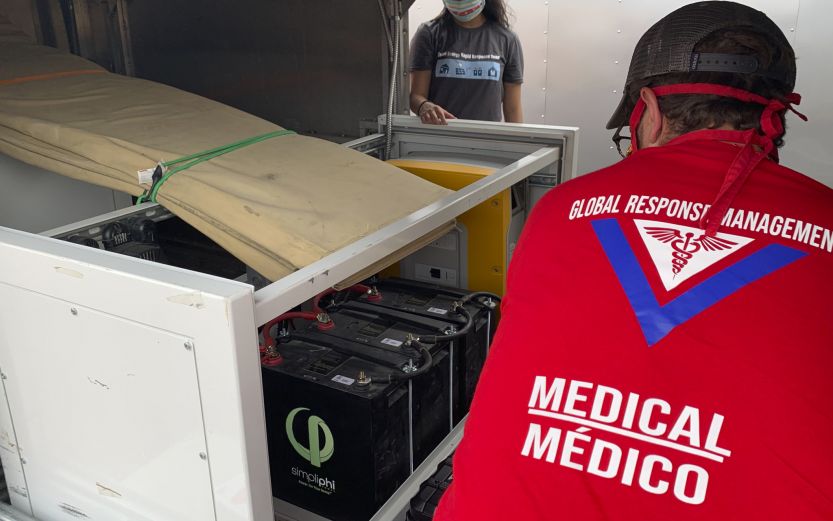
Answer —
668 47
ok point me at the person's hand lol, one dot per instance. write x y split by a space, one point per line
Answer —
433 114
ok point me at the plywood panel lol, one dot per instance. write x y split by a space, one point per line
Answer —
278 205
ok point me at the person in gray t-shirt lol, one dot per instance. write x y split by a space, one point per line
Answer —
466 63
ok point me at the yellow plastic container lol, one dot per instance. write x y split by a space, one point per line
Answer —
487 224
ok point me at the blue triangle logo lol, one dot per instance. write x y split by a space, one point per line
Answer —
656 320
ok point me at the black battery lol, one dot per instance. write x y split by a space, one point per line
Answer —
437 302
381 335
338 442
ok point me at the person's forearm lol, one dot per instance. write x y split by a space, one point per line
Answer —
512 107
416 101
513 114
420 82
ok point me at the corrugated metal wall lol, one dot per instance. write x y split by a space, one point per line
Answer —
577 55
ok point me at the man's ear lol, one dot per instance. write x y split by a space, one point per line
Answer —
652 120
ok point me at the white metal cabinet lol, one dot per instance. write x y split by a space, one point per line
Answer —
126 383
34 199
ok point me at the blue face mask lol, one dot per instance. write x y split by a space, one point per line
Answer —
465 10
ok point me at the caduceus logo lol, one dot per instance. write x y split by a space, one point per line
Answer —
317 453
686 245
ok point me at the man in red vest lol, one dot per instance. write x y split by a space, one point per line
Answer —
666 346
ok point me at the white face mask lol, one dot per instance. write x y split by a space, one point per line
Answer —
465 10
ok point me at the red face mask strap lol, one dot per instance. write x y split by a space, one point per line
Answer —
794 98
710 88
636 117
770 120
748 158
740 169
771 123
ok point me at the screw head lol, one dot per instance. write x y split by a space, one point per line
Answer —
74 311
188 346
203 456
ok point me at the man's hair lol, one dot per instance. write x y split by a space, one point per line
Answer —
494 10
689 112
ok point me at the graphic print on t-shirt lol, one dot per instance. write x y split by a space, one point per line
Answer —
680 252
657 321
467 70
644 442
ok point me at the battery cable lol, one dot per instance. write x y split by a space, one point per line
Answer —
460 333
478 295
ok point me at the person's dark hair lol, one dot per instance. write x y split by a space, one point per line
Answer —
689 112
494 10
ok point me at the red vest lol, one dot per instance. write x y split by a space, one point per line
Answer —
645 371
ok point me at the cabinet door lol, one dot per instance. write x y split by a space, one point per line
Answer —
132 389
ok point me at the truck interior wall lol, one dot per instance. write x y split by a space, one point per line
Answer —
34 200
577 55
314 67
19 12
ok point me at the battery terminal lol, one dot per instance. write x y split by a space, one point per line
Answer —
373 294
363 379
271 356
324 321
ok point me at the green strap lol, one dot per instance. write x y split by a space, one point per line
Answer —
206 155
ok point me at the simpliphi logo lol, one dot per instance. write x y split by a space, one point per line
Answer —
680 252
319 451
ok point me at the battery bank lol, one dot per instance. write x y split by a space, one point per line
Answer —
437 302
338 443
381 335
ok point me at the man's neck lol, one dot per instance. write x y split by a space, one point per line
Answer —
668 134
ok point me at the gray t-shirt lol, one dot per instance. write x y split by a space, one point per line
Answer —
468 66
